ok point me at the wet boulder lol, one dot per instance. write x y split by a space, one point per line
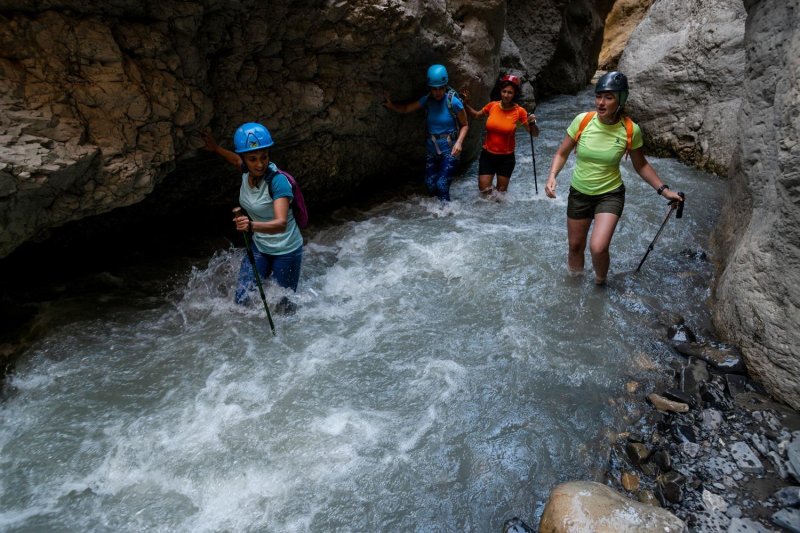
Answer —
670 487
693 376
590 506
681 333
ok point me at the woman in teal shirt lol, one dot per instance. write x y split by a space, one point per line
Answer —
266 195
596 190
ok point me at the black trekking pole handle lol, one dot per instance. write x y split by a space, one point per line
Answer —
239 212
679 213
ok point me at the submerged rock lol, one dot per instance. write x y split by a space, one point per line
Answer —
723 358
663 404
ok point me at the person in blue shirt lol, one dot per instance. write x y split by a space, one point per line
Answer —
266 196
447 128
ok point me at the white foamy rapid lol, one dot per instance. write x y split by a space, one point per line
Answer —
442 373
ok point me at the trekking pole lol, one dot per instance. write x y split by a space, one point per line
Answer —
533 156
672 206
238 212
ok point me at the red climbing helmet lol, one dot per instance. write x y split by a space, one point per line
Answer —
510 79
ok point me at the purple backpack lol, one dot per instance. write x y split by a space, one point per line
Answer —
298 202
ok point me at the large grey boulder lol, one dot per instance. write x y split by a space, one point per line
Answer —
685 63
588 506
757 296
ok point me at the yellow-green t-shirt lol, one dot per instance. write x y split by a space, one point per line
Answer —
600 150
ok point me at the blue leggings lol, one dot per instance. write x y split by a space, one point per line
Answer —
285 269
439 168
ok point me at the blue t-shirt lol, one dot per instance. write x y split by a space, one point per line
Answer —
258 204
439 118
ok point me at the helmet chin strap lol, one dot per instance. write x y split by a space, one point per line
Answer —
618 112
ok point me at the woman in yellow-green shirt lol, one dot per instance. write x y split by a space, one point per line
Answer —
596 191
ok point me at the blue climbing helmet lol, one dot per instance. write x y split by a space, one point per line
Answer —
251 136
615 82
437 76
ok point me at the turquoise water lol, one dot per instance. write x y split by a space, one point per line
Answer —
442 374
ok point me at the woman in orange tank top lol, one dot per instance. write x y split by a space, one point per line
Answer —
503 116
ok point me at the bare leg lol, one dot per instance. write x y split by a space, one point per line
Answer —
604 226
485 184
577 230
502 183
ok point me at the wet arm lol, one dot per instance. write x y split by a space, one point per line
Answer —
472 112
559 160
279 223
400 108
212 146
648 174
462 133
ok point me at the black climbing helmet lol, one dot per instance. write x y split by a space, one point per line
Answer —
615 82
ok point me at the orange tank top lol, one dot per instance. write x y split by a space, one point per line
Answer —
501 126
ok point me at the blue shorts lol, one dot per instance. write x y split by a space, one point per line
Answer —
284 269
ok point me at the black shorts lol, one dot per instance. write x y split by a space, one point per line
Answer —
581 205
500 164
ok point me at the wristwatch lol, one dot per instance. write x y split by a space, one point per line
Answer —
661 189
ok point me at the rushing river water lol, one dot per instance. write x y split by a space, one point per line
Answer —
443 372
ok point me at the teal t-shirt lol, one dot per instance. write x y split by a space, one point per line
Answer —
258 204
600 150
439 118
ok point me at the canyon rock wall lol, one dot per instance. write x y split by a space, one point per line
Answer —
685 63
556 43
757 297
624 17
716 82
101 101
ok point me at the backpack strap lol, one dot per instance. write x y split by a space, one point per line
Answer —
585 122
629 135
450 94
269 184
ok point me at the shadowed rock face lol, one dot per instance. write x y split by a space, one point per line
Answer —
557 42
685 64
758 237
100 101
